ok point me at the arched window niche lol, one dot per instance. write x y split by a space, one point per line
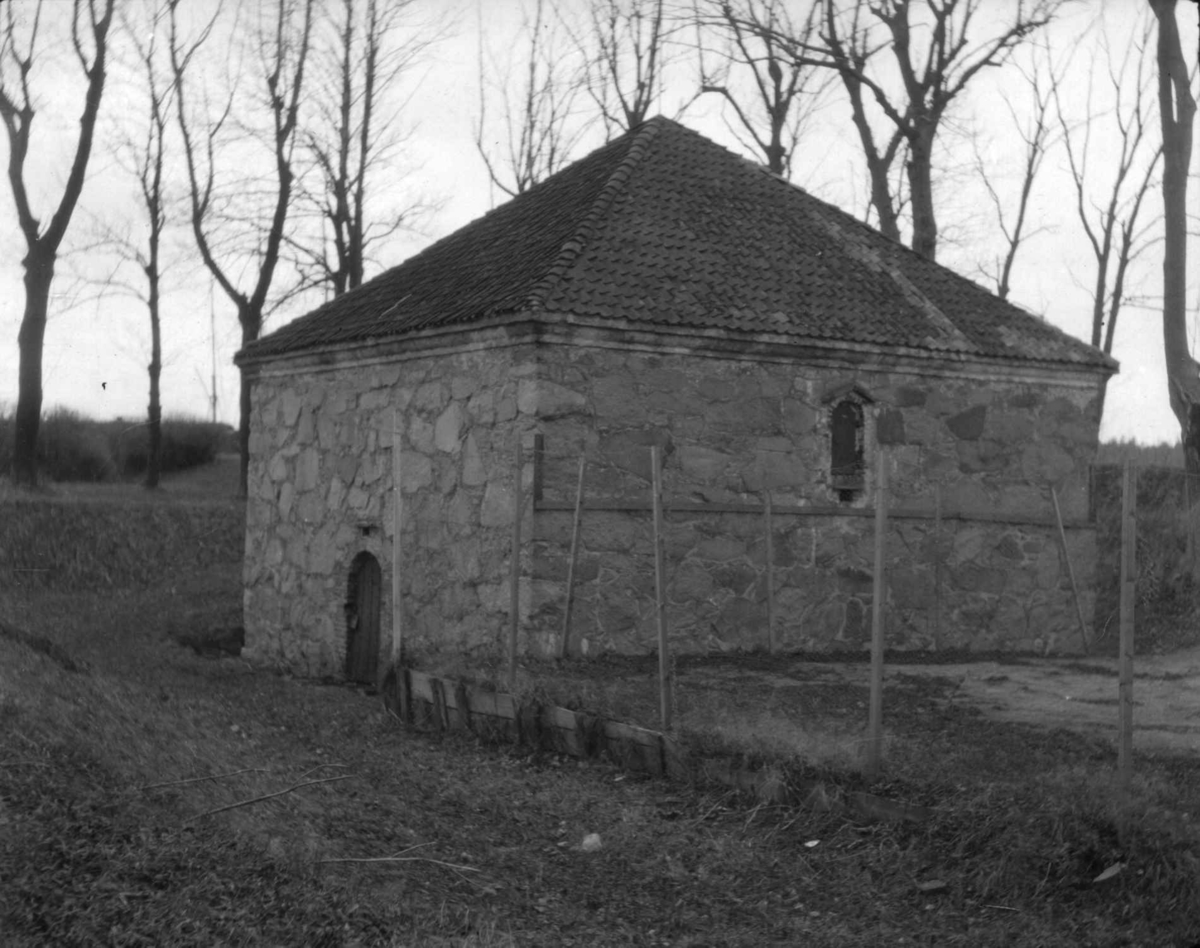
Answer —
848 412
363 595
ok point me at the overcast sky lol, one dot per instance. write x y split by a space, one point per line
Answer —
97 349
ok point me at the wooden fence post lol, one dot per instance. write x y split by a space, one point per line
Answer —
937 565
1125 687
514 574
1062 539
879 592
1189 519
660 590
397 626
564 643
772 644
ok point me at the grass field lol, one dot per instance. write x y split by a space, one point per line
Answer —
114 776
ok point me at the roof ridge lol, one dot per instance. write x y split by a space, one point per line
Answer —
641 137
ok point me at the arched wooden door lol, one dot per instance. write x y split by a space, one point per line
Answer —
362 619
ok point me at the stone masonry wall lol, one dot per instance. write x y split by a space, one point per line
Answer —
320 492
731 430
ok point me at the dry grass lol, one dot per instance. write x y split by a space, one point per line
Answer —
109 775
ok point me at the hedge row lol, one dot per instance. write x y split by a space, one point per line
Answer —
74 448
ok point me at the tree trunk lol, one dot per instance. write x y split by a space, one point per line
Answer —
881 198
39 274
154 458
243 432
251 323
1177 109
920 187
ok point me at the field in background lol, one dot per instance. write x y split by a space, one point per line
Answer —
74 448
1143 455
114 776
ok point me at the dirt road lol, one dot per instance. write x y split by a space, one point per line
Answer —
1081 694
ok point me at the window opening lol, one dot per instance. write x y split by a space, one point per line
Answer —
847 465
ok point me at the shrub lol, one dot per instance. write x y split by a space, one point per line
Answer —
186 442
73 448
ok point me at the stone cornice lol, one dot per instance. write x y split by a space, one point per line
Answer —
566 330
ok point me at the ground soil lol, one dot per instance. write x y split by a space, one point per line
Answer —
1078 694
152 795
1082 695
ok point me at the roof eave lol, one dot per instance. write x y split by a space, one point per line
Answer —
568 329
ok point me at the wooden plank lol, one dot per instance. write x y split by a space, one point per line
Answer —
389 691
1125 680
528 719
462 706
421 687
875 727
616 731
438 703
564 642
772 644
506 706
405 696
660 593
559 717
482 702
514 574
1062 540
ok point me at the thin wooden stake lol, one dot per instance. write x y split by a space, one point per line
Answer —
1190 520
176 783
268 796
1125 687
514 575
772 645
564 642
937 565
1062 539
879 591
436 862
660 591
397 626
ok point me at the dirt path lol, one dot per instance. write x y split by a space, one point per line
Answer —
1081 694
1077 694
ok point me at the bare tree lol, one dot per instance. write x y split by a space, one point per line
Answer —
1177 110
935 62
142 151
625 48
238 215
355 135
89 41
785 90
539 114
1032 122
1111 223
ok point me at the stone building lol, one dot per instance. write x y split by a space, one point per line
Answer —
663 291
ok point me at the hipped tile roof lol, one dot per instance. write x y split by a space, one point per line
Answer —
664 228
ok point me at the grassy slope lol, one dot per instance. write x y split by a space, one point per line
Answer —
92 853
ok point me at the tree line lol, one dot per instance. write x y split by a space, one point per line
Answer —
271 133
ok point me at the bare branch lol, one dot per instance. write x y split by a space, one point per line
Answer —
540 121
759 34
